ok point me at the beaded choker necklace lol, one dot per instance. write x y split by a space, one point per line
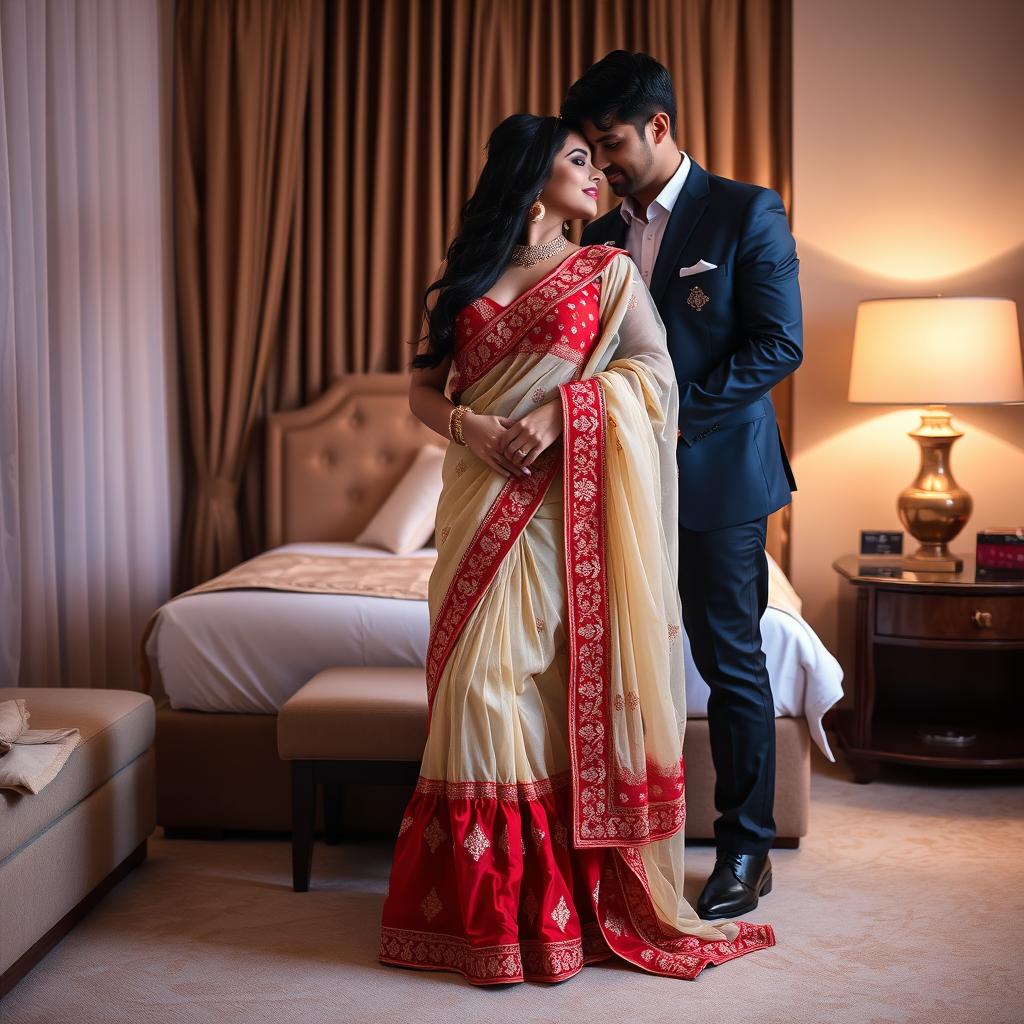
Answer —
528 255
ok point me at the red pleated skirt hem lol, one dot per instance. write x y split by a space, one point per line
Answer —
487 884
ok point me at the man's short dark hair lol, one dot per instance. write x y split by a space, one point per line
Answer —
622 86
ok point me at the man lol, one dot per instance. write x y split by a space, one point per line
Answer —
720 262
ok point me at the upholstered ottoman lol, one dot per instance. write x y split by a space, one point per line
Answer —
361 725
62 848
792 781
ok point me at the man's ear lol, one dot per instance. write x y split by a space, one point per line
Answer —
661 127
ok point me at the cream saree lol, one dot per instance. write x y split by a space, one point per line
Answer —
546 829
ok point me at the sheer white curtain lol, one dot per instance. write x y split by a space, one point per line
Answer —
88 417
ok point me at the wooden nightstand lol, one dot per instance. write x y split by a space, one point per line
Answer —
937 663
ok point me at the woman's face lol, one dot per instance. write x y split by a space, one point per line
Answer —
571 191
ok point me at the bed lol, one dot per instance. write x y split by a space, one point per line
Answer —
221 663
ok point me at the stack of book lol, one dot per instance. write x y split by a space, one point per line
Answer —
1000 553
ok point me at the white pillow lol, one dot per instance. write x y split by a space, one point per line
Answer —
405 521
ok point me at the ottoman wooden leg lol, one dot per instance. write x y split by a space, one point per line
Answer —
303 816
333 795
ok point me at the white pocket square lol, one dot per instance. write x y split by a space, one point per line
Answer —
698 268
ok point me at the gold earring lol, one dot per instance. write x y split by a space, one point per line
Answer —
538 210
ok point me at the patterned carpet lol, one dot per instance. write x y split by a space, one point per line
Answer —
904 904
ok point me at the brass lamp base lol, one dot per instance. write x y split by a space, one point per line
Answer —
934 508
942 561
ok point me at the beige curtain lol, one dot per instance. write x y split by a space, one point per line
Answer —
394 100
88 459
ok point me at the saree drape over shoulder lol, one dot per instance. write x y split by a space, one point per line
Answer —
546 828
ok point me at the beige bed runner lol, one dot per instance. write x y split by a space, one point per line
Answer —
389 576
327 574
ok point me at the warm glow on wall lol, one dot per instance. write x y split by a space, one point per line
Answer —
905 246
908 148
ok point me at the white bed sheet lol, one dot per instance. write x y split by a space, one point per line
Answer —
250 650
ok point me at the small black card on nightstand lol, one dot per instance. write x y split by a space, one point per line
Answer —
881 542
891 572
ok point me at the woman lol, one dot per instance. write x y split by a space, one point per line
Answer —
546 829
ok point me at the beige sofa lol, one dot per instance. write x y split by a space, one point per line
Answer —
61 849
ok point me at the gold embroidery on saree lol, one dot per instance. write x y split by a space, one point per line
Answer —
434 835
540 958
508 792
431 905
476 843
560 915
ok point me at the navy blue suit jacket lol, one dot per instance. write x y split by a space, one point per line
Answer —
733 333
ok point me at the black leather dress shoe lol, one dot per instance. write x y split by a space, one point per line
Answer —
735 885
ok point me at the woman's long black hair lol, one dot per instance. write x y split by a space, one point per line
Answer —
520 156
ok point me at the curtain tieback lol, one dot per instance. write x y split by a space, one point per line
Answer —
217 489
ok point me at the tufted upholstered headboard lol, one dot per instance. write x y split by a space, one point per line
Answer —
331 464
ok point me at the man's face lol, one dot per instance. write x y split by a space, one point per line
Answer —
624 155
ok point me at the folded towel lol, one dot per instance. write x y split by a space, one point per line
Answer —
30 758
13 722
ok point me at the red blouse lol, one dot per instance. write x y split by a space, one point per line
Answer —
559 315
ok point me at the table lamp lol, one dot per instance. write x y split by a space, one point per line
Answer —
936 352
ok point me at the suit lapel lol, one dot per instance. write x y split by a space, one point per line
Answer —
689 208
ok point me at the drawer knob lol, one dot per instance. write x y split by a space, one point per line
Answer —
983 620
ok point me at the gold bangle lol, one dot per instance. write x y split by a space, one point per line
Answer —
459 414
458 425
455 424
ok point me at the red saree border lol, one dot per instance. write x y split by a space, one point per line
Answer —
602 816
535 960
650 944
505 520
499 336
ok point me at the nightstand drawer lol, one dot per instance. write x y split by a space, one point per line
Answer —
948 617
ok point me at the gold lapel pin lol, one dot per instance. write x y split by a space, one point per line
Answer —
697 299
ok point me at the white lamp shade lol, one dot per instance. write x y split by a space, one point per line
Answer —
936 351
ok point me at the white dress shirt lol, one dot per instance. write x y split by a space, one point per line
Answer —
644 233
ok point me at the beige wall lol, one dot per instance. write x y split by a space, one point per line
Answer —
908 180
